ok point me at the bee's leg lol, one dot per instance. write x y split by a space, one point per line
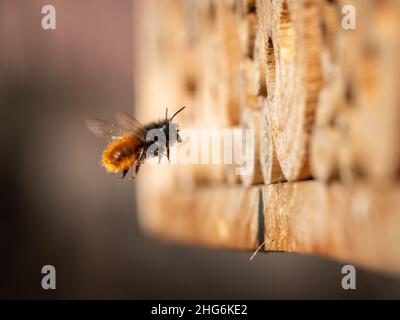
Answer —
138 162
168 153
140 157
124 172
137 168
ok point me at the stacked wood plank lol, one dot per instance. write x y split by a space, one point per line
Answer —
324 104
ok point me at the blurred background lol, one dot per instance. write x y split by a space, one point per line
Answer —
59 207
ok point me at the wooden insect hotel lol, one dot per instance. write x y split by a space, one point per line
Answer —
318 82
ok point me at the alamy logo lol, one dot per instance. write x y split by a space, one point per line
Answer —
204 146
349 17
49 20
349 280
49 280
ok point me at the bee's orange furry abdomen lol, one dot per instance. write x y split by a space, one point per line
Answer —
120 154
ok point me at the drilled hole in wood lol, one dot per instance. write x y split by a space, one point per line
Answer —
191 86
251 7
349 93
329 24
270 69
211 12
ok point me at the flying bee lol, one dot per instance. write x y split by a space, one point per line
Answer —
129 141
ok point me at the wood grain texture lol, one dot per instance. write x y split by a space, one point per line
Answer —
324 103
376 86
324 158
217 217
270 167
294 79
354 223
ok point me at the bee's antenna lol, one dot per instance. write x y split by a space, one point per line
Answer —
166 113
176 113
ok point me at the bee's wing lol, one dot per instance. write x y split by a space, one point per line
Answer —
128 122
105 130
